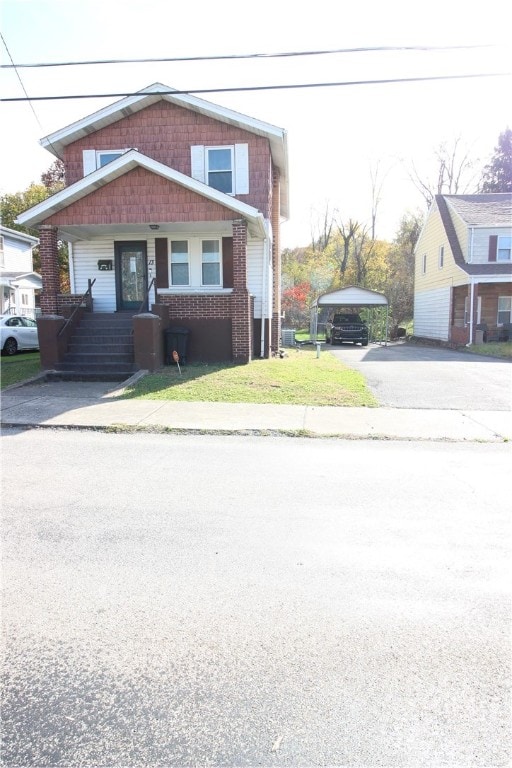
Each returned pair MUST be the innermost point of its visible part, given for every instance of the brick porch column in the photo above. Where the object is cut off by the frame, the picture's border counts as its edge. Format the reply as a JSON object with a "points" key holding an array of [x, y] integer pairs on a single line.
{"points": [[241, 301], [49, 268]]}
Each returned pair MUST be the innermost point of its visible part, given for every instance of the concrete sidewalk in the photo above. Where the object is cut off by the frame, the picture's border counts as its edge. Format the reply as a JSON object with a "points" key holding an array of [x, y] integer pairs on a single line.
{"points": [[99, 406]]}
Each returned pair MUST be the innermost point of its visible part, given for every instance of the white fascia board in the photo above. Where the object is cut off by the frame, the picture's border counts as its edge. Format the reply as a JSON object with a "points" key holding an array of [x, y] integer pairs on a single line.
{"points": [[55, 142], [15, 234], [119, 167], [147, 96]]}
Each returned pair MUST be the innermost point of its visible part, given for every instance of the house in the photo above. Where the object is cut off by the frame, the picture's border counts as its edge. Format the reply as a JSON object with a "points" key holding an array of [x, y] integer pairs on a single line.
{"points": [[172, 211], [18, 280], [463, 270]]}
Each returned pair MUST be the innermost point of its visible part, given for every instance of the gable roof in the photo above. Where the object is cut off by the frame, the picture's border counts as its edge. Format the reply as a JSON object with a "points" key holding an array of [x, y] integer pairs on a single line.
{"points": [[124, 164], [351, 296], [485, 210], [475, 210], [56, 141], [14, 234]]}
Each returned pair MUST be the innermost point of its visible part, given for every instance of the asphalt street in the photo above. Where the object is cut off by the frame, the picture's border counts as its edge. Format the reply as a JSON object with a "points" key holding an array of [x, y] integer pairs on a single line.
{"points": [[409, 376], [254, 601]]}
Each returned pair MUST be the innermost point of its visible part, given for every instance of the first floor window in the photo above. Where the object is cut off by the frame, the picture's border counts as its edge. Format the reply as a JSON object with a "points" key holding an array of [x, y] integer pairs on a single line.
{"points": [[504, 248], [179, 262], [24, 299], [210, 262], [504, 309]]}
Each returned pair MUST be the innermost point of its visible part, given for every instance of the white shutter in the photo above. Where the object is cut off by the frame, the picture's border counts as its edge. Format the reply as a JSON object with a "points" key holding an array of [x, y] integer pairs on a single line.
{"points": [[197, 162], [89, 160], [241, 169]]}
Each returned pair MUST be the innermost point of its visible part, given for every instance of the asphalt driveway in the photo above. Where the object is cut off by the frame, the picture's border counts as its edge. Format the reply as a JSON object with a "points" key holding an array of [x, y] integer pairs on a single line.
{"points": [[409, 376]]}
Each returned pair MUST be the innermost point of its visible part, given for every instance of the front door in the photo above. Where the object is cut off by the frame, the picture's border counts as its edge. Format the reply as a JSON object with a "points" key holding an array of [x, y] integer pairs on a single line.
{"points": [[131, 274]]}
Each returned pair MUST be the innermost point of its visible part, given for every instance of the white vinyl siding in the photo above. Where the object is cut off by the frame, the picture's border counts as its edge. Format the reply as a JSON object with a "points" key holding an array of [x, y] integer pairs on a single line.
{"points": [[480, 245], [432, 314], [87, 253], [255, 249]]}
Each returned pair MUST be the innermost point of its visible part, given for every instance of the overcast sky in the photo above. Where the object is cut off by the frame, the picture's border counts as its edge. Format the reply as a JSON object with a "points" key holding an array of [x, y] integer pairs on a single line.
{"points": [[336, 135]]}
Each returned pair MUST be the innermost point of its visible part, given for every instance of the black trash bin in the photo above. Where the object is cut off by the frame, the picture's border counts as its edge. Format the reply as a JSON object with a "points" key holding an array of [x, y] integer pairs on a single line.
{"points": [[176, 340]]}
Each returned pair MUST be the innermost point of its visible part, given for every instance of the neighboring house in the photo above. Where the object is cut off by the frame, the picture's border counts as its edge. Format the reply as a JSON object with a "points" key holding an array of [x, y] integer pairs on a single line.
{"points": [[169, 188], [463, 269], [18, 281]]}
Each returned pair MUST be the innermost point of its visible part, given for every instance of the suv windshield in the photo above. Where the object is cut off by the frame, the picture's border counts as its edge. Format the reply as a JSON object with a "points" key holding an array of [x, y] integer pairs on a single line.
{"points": [[346, 319]]}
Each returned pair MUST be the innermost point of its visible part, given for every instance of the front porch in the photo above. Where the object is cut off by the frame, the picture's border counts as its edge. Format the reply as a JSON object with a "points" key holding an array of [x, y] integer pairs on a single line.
{"points": [[481, 313]]}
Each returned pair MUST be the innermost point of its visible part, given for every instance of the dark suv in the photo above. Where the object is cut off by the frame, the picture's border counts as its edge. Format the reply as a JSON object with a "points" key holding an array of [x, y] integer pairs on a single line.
{"points": [[346, 327]]}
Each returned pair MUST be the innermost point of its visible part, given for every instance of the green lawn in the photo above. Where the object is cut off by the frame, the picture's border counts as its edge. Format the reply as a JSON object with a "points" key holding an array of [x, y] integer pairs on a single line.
{"points": [[300, 378], [491, 349], [19, 367]]}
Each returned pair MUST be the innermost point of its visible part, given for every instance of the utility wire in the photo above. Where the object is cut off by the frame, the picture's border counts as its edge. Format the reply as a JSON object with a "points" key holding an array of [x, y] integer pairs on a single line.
{"points": [[27, 97], [168, 92], [225, 57]]}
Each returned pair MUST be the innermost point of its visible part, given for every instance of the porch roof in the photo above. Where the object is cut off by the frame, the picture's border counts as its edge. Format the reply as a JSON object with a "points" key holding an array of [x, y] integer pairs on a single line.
{"points": [[117, 168]]}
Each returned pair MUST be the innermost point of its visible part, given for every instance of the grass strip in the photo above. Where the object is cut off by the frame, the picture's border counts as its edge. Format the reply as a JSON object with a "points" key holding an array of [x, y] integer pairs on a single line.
{"points": [[300, 378]]}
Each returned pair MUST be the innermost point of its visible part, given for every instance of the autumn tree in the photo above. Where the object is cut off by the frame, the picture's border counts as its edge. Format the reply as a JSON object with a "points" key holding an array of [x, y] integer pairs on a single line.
{"points": [[399, 286], [13, 204], [497, 175]]}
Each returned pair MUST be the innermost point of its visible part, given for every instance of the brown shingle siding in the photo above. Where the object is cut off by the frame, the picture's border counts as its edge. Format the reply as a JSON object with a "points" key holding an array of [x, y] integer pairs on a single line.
{"points": [[141, 197], [165, 132]]}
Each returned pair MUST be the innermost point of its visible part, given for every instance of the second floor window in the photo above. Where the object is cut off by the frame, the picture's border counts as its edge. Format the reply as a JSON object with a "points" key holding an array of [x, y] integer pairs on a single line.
{"points": [[504, 248], [225, 168], [219, 163]]}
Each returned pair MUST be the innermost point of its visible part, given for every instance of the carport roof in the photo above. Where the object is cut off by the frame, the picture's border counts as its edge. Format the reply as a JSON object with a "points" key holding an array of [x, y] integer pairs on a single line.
{"points": [[352, 296]]}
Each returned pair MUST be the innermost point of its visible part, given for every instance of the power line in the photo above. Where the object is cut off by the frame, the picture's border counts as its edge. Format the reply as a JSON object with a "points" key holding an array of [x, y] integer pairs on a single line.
{"points": [[234, 56], [168, 92], [27, 97]]}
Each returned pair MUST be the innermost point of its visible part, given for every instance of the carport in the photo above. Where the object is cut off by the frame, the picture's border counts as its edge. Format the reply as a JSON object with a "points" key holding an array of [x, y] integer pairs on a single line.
{"points": [[352, 298]]}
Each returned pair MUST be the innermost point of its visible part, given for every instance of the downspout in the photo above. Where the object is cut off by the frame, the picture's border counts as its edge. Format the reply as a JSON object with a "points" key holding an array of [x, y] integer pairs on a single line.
{"points": [[471, 307], [263, 297]]}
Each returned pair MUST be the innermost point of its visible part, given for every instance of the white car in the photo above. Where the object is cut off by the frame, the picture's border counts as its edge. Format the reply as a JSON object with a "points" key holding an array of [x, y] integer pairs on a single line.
{"points": [[17, 333]]}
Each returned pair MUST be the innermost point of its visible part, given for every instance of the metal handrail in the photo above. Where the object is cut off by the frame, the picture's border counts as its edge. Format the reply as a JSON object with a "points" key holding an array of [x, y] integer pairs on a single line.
{"points": [[88, 291], [144, 300]]}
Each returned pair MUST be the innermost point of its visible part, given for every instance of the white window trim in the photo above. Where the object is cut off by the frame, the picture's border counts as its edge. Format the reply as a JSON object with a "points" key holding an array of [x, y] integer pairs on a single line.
{"points": [[240, 165], [179, 240], [231, 170], [195, 265], [503, 237], [221, 276], [467, 311], [499, 325], [91, 158]]}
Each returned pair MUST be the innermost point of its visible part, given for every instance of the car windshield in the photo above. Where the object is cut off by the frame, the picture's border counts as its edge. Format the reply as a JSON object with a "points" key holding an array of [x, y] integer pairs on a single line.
{"points": [[346, 318]]}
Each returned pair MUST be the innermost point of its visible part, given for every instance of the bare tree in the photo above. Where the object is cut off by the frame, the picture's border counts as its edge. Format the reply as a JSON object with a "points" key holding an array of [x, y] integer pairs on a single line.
{"points": [[321, 230], [455, 172], [347, 232]]}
